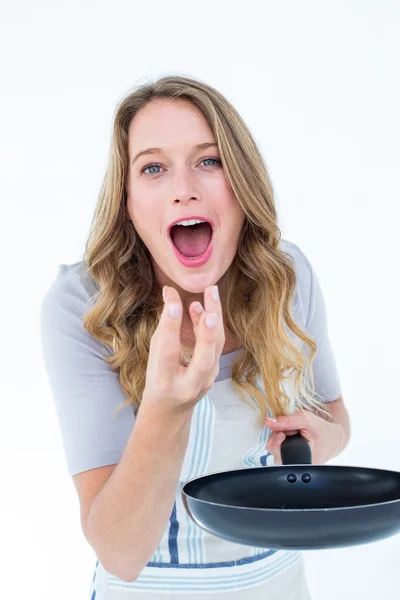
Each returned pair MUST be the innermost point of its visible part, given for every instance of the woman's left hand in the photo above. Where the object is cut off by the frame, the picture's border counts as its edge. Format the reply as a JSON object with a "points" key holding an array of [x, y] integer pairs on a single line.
{"points": [[325, 438]]}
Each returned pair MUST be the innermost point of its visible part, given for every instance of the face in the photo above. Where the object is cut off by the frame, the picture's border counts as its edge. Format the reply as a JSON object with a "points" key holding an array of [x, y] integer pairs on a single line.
{"points": [[185, 181]]}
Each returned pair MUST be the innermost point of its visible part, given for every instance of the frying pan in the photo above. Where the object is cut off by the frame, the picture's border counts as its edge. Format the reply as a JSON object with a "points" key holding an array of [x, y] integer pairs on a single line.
{"points": [[296, 506]]}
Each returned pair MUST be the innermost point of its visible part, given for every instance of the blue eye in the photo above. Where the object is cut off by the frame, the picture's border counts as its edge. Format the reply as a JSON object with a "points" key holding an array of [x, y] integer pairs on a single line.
{"points": [[217, 160]]}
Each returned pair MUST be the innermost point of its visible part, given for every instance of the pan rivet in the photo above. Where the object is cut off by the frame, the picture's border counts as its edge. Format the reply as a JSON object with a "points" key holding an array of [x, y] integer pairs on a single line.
{"points": [[292, 478], [306, 477]]}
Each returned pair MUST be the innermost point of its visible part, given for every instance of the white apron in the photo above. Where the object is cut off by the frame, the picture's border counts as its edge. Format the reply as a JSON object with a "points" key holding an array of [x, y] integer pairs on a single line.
{"points": [[226, 434]]}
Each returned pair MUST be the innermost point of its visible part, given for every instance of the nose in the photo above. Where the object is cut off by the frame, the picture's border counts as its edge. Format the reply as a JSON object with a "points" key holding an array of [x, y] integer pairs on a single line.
{"points": [[183, 186]]}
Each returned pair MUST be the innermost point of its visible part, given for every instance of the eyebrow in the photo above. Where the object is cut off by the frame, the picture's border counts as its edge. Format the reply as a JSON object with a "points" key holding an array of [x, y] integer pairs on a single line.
{"points": [[161, 151]]}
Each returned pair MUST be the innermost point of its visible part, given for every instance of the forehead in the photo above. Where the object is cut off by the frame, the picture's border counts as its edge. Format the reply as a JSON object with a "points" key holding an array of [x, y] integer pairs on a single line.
{"points": [[168, 124]]}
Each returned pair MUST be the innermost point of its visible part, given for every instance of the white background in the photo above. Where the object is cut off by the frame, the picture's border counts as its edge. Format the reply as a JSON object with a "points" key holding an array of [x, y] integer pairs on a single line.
{"points": [[317, 83]]}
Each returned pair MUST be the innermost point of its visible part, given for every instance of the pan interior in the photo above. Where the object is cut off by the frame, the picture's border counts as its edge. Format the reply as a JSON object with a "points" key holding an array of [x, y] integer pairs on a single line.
{"points": [[268, 487]]}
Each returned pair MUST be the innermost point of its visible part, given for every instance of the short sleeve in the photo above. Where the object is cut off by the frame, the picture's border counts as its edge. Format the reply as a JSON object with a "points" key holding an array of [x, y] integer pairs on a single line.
{"points": [[85, 389], [326, 376]]}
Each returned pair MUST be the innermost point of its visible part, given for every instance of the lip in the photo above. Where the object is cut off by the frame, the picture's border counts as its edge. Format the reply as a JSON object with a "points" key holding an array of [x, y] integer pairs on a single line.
{"points": [[187, 218]]}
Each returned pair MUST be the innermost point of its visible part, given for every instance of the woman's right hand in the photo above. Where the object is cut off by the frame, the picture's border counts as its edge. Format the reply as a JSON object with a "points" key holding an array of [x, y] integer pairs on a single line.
{"points": [[168, 381]]}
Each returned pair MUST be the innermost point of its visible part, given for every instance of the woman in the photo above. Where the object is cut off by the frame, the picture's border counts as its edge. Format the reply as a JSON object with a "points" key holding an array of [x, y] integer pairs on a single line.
{"points": [[150, 393]]}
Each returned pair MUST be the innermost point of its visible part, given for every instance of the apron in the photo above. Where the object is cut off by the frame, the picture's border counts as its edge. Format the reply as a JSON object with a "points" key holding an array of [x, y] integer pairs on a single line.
{"points": [[226, 434]]}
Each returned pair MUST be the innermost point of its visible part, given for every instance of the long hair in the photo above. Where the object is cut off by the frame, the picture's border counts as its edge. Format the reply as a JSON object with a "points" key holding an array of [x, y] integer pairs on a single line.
{"points": [[260, 281]]}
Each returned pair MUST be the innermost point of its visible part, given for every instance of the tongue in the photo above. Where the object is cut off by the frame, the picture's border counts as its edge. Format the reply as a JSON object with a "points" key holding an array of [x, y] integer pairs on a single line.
{"points": [[191, 240]]}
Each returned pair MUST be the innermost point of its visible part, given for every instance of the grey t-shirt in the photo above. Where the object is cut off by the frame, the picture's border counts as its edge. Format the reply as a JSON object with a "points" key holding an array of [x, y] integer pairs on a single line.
{"points": [[85, 389]]}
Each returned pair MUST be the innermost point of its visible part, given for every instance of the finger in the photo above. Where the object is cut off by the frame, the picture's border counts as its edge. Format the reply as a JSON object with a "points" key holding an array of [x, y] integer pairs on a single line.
{"points": [[167, 336], [204, 365], [274, 446], [270, 445], [196, 310], [300, 420], [196, 316], [213, 304], [274, 442]]}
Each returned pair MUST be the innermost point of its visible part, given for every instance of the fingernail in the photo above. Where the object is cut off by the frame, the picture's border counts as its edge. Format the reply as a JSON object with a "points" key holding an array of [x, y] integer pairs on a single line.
{"points": [[164, 291], [198, 308], [271, 419], [211, 320], [214, 293], [174, 311]]}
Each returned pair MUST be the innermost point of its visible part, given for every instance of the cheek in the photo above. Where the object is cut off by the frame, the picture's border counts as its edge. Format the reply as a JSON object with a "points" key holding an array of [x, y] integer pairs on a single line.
{"points": [[145, 215], [228, 201], [232, 216]]}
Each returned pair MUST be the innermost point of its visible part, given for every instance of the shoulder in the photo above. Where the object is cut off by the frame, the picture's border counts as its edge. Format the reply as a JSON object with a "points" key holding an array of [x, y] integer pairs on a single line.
{"points": [[67, 300], [304, 274], [72, 287], [300, 260]]}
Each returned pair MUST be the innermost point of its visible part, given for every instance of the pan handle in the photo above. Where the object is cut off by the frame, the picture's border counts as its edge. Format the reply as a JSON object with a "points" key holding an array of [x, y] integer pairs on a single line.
{"points": [[295, 450]]}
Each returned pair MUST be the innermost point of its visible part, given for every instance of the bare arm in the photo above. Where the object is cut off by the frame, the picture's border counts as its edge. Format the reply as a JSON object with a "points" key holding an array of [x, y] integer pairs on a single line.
{"points": [[130, 513], [338, 411]]}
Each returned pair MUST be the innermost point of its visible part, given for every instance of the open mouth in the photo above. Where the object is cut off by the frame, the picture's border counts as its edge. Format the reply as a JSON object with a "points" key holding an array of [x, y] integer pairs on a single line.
{"points": [[191, 240]]}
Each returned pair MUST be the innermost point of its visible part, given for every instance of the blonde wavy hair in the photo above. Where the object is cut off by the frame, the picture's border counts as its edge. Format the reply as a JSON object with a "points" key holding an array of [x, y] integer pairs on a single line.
{"points": [[260, 281]]}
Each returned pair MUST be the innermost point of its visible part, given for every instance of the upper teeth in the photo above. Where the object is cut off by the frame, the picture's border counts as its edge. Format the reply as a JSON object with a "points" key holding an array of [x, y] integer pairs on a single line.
{"points": [[190, 222]]}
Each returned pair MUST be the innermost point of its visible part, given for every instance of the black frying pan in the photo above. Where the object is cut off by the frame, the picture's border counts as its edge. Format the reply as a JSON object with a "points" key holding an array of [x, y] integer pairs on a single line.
{"points": [[296, 506]]}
